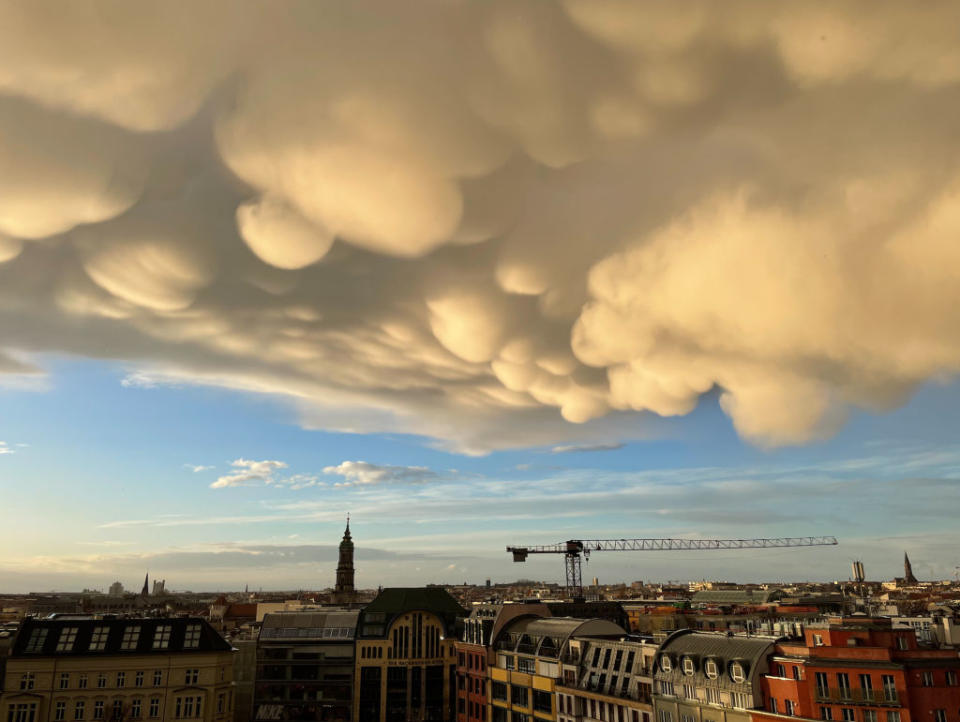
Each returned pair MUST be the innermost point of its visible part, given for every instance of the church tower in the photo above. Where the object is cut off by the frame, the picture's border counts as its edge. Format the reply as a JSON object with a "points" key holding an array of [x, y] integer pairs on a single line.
{"points": [[343, 591], [908, 578]]}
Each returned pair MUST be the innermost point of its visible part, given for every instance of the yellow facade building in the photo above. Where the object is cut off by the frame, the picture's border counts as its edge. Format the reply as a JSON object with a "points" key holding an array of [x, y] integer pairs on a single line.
{"points": [[113, 670]]}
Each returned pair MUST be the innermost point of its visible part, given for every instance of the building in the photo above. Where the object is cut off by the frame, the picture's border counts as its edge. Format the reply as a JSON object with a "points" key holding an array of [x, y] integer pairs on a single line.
{"points": [[530, 652], [909, 580], [475, 654], [116, 589], [405, 656], [710, 676], [82, 668], [305, 666], [344, 591], [607, 679], [862, 669]]}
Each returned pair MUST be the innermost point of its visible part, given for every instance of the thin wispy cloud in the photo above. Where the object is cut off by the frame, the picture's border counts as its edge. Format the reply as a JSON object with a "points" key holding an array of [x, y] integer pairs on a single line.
{"points": [[5, 448], [197, 468], [248, 473], [362, 473], [576, 448]]}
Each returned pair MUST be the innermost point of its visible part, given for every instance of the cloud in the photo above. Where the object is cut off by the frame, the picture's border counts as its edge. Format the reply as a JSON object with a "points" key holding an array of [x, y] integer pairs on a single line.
{"points": [[494, 225], [576, 448], [361, 473], [197, 468], [248, 473], [5, 448]]}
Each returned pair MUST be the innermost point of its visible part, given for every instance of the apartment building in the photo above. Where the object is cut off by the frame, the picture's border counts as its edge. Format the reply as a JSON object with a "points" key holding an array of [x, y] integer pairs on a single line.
{"points": [[530, 652], [305, 666], [861, 669], [475, 654], [81, 669], [710, 676], [607, 680]]}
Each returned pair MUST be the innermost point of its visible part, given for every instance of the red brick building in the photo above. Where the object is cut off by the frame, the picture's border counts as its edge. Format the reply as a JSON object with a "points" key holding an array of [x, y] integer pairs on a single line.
{"points": [[859, 669]]}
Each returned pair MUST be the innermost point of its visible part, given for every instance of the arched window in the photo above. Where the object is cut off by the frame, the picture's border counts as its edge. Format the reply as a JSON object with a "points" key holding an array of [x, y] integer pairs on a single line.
{"points": [[710, 669], [737, 672]]}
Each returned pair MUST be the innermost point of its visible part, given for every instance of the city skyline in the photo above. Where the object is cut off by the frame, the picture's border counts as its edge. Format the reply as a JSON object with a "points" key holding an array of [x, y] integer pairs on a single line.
{"points": [[478, 274]]}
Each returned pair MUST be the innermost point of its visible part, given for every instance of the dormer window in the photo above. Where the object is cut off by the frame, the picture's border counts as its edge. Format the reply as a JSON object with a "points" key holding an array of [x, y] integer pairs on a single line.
{"points": [[737, 672], [665, 664], [689, 667], [710, 669]]}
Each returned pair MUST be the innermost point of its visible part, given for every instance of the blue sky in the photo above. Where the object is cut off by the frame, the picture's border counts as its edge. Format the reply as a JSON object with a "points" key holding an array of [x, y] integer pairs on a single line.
{"points": [[99, 485]]}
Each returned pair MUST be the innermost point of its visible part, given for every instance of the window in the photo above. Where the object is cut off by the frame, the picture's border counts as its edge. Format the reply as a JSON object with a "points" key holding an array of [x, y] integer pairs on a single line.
{"points": [[866, 686], [64, 680], [951, 678], [136, 708], [710, 669], [843, 683], [817, 640], [117, 709], [713, 695], [773, 705], [665, 664], [131, 635], [526, 664], [901, 642], [221, 702], [663, 716], [98, 640], [823, 686], [68, 637], [630, 657], [138, 679], [666, 687], [154, 707], [98, 709], [869, 715], [847, 713], [739, 699], [518, 695], [789, 707], [499, 691], [78, 710], [796, 672], [939, 715], [82, 681], [37, 637], [893, 715], [826, 713], [101, 681], [737, 673], [687, 717], [689, 691], [27, 681], [542, 701], [157, 677], [689, 667], [121, 679], [191, 676], [927, 678], [60, 712], [191, 639], [617, 660], [889, 688], [22, 712], [161, 636]]}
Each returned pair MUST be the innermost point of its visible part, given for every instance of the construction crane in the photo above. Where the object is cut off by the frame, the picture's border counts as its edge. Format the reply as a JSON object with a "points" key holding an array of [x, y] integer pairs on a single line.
{"points": [[575, 550]]}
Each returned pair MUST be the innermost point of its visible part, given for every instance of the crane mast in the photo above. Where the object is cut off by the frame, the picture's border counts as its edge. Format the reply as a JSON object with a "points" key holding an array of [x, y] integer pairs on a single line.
{"points": [[574, 550]]}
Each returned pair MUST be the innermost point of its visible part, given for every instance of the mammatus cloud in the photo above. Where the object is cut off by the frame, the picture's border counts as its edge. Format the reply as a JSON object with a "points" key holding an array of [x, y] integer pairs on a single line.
{"points": [[492, 224], [361, 473], [575, 448], [249, 473]]}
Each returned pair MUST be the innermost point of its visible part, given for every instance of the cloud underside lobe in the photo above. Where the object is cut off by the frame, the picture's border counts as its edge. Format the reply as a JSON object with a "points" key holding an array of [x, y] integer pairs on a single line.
{"points": [[491, 223]]}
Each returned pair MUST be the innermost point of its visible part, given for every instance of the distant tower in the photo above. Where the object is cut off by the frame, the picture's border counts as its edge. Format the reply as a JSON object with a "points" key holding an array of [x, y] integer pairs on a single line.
{"points": [[908, 578], [146, 586], [343, 591]]}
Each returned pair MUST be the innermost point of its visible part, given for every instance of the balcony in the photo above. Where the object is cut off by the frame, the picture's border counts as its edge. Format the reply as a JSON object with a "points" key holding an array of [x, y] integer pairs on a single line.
{"points": [[858, 696]]}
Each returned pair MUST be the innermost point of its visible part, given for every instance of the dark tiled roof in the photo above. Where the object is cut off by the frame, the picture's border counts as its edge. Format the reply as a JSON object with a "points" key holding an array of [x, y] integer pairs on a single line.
{"points": [[31, 631], [396, 600], [736, 596]]}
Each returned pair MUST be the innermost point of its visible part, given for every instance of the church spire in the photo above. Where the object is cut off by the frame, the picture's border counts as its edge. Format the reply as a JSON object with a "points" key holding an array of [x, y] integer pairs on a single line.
{"points": [[908, 577], [146, 586], [344, 590]]}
